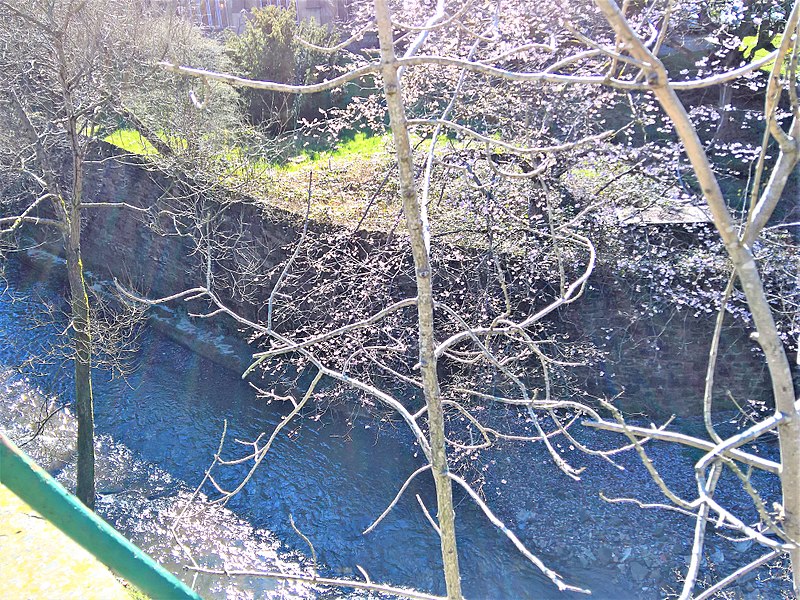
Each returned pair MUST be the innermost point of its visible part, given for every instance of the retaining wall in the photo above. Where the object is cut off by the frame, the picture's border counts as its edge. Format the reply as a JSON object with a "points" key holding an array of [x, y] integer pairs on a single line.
{"points": [[659, 362]]}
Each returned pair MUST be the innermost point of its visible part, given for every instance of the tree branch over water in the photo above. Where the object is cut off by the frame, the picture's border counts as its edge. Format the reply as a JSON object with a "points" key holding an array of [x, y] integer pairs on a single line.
{"points": [[507, 166]]}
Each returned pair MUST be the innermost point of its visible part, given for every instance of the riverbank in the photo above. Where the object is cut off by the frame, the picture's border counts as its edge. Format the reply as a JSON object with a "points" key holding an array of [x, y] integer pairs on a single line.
{"points": [[629, 333]]}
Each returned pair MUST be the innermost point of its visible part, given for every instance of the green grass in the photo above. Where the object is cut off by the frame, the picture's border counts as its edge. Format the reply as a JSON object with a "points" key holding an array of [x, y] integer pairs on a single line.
{"points": [[344, 175], [587, 173], [748, 49], [131, 141], [361, 145]]}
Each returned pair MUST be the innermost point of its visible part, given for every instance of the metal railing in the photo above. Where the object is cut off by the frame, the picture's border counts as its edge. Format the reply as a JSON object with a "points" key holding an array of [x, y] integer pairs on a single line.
{"points": [[46, 496]]}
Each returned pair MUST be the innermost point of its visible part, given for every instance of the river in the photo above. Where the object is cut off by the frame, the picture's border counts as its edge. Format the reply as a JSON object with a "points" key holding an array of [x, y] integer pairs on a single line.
{"points": [[158, 429]]}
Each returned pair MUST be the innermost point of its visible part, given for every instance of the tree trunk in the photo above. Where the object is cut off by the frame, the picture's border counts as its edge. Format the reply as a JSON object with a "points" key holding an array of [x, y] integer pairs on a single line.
{"points": [[79, 300], [766, 331], [84, 402], [427, 358]]}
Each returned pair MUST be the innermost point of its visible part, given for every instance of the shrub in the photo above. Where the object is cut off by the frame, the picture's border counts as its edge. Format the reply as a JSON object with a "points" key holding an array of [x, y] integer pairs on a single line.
{"points": [[268, 50]]}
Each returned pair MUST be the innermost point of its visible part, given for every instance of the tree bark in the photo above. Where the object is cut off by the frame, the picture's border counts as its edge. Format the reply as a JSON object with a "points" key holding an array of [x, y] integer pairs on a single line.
{"points": [[84, 401], [79, 304], [420, 250]]}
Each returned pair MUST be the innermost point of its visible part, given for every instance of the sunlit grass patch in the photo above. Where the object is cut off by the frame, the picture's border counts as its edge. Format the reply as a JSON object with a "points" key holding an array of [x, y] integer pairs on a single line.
{"points": [[353, 178], [345, 180], [131, 141], [749, 51], [361, 146]]}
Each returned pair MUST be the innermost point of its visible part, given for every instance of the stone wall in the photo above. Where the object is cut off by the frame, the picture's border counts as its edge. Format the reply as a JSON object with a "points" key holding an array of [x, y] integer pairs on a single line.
{"points": [[659, 362], [152, 251]]}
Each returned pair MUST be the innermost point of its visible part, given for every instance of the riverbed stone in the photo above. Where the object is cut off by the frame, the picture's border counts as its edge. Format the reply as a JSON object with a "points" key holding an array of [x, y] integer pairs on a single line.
{"points": [[604, 555], [638, 570]]}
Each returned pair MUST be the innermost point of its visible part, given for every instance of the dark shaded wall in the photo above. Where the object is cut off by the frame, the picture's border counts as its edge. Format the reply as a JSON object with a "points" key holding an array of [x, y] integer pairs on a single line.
{"points": [[156, 252], [659, 362]]}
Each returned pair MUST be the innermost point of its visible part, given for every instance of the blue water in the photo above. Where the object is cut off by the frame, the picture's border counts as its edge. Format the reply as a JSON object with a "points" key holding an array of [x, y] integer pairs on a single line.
{"points": [[158, 430]]}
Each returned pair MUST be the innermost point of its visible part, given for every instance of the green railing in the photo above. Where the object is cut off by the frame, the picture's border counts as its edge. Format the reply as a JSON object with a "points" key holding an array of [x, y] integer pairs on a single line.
{"points": [[49, 498]]}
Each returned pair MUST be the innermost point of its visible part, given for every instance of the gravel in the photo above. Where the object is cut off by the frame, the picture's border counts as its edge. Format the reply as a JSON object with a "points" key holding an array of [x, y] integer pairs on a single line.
{"points": [[643, 550]]}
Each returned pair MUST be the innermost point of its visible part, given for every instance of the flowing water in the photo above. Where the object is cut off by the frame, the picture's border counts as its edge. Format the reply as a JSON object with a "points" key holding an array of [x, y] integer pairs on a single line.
{"points": [[158, 430]]}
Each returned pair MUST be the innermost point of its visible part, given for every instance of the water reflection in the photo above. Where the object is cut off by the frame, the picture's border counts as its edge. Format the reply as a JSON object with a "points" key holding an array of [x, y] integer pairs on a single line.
{"points": [[158, 431]]}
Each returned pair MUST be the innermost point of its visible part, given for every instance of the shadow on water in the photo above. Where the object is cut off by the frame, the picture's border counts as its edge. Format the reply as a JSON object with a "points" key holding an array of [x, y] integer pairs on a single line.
{"points": [[159, 429]]}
